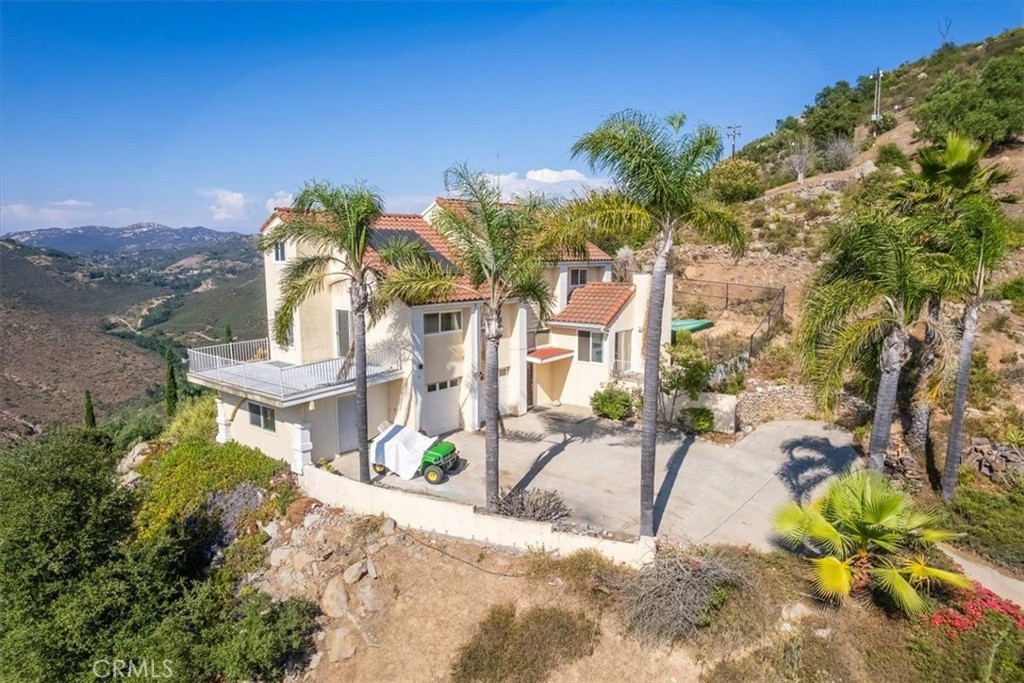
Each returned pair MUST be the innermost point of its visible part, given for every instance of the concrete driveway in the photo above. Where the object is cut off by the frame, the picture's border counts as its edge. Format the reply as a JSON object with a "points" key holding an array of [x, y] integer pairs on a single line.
{"points": [[704, 493]]}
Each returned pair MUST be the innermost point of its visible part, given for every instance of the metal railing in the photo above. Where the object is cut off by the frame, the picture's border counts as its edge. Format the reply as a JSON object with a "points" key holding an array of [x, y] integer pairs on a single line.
{"points": [[224, 355], [245, 365], [627, 368]]}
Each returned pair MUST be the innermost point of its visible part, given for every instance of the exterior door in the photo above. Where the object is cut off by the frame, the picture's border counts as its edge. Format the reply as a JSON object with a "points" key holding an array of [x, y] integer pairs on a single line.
{"points": [[347, 440]]}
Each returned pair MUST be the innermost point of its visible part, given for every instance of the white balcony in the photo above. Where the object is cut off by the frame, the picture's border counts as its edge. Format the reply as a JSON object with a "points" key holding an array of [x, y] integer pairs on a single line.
{"points": [[245, 369]]}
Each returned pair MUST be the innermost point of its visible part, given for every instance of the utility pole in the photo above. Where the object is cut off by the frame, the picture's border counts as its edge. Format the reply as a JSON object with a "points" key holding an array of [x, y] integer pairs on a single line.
{"points": [[733, 131], [876, 114]]}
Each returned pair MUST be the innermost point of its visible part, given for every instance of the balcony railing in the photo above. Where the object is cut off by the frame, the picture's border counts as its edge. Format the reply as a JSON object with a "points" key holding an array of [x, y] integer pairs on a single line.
{"points": [[246, 366], [627, 368]]}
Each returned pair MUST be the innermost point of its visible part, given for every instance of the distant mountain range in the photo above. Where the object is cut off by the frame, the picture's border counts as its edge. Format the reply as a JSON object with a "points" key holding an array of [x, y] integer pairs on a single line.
{"points": [[130, 239]]}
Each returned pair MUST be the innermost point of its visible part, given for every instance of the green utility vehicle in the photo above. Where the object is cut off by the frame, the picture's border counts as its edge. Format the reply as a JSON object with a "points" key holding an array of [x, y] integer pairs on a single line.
{"points": [[408, 453]]}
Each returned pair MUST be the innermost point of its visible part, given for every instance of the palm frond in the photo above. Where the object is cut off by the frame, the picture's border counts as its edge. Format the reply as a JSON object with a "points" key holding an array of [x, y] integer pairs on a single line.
{"points": [[833, 578], [892, 583], [789, 521], [303, 277], [718, 223], [416, 284], [918, 572]]}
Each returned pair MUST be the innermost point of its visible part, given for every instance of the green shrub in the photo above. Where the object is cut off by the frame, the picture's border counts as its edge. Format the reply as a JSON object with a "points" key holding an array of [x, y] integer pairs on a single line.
{"points": [[1014, 291], [264, 637], [697, 309], [128, 429], [733, 384], [887, 122], [890, 154], [987, 106], [990, 519], [523, 648], [984, 386], [699, 420], [195, 418], [736, 180], [613, 401], [179, 480]]}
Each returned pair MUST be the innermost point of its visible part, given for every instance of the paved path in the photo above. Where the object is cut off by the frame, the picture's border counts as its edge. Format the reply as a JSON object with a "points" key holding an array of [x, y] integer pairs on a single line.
{"points": [[704, 493], [1000, 584]]}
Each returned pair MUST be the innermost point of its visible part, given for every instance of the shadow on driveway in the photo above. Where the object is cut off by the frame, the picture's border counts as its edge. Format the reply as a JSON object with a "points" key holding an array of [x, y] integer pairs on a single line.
{"points": [[810, 460], [672, 467], [561, 430]]}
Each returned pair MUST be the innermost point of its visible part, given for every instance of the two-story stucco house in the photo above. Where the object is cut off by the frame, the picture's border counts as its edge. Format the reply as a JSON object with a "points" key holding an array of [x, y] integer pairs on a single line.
{"points": [[297, 402]]}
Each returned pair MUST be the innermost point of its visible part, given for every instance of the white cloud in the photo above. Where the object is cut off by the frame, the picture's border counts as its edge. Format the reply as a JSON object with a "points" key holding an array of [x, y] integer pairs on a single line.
{"points": [[546, 181], [74, 203], [227, 204], [280, 198]]}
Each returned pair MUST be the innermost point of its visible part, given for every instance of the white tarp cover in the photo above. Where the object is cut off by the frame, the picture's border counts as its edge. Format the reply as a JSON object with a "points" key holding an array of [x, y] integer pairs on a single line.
{"points": [[401, 450]]}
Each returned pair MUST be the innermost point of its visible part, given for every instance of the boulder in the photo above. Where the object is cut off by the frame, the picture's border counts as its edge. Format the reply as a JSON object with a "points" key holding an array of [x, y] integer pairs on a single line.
{"points": [[334, 600], [388, 527], [340, 644], [354, 572], [133, 458], [368, 597], [371, 569]]}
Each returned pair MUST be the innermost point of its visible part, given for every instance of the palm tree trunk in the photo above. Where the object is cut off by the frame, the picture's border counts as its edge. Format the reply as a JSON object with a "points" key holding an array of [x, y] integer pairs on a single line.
{"points": [[492, 329], [894, 349], [954, 449], [652, 384], [357, 296], [921, 410]]}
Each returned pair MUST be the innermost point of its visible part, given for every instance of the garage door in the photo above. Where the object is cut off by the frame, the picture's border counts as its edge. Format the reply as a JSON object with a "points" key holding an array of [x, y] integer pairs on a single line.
{"points": [[441, 412]]}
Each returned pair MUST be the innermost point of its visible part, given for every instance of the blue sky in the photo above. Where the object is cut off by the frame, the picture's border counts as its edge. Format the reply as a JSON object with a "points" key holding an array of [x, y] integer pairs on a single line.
{"points": [[199, 113]]}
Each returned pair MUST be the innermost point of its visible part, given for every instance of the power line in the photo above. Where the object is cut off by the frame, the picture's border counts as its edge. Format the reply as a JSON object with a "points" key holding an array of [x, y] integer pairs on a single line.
{"points": [[733, 131]]}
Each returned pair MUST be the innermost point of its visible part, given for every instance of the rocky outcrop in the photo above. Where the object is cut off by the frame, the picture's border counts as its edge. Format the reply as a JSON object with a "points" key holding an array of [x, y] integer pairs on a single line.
{"points": [[903, 468], [994, 460]]}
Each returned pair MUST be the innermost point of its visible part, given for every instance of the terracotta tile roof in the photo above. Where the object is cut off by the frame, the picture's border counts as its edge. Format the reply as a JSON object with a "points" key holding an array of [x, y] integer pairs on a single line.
{"points": [[594, 252], [548, 353], [596, 304], [401, 224]]}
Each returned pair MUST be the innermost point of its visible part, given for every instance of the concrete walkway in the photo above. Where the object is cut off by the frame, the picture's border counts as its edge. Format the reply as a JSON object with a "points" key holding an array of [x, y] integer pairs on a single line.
{"points": [[1002, 585], [704, 493]]}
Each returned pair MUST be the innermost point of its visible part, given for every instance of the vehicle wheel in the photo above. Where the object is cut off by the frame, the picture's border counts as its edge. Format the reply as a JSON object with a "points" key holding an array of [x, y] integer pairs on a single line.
{"points": [[379, 469], [433, 474]]}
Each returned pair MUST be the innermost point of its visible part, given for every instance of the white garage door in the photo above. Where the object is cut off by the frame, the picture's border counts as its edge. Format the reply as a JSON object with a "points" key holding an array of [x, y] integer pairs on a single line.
{"points": [[441, 412]]}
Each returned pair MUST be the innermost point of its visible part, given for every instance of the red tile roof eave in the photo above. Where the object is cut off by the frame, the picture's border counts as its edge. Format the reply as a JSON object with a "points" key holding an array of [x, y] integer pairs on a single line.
{"points": [[596, 304], [547, 353]]}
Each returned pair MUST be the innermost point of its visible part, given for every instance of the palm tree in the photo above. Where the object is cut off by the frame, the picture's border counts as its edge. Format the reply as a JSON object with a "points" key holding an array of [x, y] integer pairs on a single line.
{"points": [[947, 175], [661, 180], [864, 533], [867, 297], [979, 237], [334, 223], [499, 253]]}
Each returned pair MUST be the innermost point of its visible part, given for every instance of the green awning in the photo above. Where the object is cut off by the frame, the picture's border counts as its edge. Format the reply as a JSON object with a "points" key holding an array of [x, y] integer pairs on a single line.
{"points": [[690, 325]]}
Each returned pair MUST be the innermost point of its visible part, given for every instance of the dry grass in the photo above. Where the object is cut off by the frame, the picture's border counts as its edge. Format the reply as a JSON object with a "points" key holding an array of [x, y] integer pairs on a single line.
{"points": [[524, 648], [588, 573]]}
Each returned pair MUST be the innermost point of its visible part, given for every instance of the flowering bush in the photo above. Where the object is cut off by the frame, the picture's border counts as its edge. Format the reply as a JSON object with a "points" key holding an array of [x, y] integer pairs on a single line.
{"points": [[970, 608]]}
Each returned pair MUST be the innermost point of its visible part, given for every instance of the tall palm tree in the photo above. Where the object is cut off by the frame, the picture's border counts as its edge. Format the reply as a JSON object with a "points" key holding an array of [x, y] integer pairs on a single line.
{"points": [[979, 238], [499, 253], [947, 175], [334, 224], [660, 179], [867, 297]]}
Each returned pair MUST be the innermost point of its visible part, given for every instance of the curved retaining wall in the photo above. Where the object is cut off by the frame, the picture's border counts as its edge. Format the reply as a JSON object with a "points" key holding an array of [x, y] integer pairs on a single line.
{"points": [[461, 520]]}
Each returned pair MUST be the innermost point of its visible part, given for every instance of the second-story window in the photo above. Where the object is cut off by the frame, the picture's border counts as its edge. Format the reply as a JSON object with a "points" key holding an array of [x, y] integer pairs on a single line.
{"points": [[280, 255], [590, 346], [577, 278], [438, 323]]}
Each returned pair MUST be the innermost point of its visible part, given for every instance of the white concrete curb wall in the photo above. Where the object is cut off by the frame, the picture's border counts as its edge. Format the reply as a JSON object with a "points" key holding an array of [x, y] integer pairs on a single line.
{"points": [[460, 520]]}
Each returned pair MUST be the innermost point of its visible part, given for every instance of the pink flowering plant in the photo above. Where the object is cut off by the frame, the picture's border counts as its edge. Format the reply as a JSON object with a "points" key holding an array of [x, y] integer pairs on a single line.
{"points": [[969, 607]]}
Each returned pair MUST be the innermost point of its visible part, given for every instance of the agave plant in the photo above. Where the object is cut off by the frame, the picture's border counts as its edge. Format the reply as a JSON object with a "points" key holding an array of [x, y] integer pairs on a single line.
{"points": [[865, 533]]}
